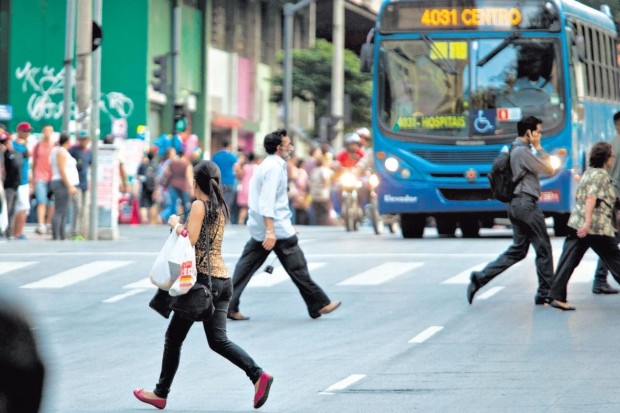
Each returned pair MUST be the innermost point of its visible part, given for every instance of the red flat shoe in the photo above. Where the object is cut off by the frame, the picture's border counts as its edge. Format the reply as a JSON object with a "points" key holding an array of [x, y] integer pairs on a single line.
{"points": [[159, 403], [262, 391]]}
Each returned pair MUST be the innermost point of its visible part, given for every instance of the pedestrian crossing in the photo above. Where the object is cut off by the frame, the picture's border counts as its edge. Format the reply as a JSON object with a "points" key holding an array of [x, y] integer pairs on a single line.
{"points": [[389, 273]]}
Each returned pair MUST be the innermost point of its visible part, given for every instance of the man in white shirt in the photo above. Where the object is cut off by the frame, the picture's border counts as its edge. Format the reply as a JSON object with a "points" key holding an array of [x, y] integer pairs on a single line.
{"points": [[269, 222]]}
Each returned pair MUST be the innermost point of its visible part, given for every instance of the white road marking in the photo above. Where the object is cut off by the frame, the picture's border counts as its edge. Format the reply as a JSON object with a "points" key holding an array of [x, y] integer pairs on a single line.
{"points": [[144, 283], [489, 293], [381, 273], [262, 279], [124, 295], [463, 276], [426, 334], [77, 274], [343, 384], [13, 266]]}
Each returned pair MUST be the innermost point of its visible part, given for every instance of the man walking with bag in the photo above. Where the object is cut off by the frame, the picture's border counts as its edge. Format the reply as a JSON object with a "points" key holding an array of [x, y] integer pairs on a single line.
{"points": [[269, 222], [528, 221]]}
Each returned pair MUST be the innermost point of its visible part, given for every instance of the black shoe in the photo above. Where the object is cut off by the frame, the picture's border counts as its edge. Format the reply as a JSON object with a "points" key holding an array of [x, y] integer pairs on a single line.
{"points": [[541, 300], [473, 287], [603, 288]]}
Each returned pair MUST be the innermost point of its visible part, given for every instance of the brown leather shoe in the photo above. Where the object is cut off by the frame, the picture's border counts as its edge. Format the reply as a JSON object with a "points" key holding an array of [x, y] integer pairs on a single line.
{"points": [[330, 307], [236, 315]]}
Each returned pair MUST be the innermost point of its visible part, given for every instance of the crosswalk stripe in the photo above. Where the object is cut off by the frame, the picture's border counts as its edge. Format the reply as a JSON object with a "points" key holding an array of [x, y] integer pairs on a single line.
{"points": [[426, 334], [489, 293], [463, 276], [141, 284], [381, 273], [13, 266], [279, 275], [77, 274], [344, 383], [124, 295]]}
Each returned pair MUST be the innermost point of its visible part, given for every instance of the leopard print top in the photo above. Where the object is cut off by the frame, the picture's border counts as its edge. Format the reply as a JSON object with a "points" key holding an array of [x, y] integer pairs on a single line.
{"points": [[215, 234]]}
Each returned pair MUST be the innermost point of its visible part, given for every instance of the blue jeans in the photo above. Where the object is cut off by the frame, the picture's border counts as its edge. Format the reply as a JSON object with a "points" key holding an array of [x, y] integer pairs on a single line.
{"points": [[293, 261], [215, 330], [528, 227], [175, 196]]}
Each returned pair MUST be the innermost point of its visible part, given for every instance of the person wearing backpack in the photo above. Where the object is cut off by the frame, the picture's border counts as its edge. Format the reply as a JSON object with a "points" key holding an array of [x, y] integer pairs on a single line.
{"points": [[528, 221], [147, 175]]}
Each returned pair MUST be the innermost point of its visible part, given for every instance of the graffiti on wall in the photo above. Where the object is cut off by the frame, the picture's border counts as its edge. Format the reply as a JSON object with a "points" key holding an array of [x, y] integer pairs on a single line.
{"points": [[47, 87]]}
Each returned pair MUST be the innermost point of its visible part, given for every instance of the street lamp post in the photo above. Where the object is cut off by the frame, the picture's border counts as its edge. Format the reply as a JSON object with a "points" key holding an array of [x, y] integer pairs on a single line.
{"points": [[289, 12]]}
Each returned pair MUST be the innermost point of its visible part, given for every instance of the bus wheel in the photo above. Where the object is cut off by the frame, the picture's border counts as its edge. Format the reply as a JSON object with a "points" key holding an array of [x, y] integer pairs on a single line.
{"points": [[470, 227], [446, 225], [560, 225], [412, 225]]}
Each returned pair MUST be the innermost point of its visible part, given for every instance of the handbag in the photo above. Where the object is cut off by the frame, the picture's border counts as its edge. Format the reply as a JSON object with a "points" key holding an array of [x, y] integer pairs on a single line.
{"points": [[197, 303], [615, 215]]}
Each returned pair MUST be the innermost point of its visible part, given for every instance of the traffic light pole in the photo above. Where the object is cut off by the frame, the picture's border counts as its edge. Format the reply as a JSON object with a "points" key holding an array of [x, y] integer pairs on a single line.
{"points": [[289, 12], [93, 217], [68, 64]]}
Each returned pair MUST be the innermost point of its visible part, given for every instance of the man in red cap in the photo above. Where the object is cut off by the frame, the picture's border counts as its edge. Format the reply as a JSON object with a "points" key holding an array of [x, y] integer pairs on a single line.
{"points": [[22, 203]]}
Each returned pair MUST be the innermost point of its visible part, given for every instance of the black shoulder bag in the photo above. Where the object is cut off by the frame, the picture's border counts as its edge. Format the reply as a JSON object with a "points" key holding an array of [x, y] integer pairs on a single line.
{"points": [[197, 303]]}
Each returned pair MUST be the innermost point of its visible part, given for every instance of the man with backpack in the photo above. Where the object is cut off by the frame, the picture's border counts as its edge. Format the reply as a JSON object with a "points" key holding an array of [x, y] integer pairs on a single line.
{"points": [[528, 221]]}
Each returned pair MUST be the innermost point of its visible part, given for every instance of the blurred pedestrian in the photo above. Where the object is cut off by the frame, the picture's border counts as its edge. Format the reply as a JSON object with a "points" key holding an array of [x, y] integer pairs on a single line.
{"points": [[178, 180], [244, 175], [207, 219], [12, 177], [65, 179], [590, 224], [83, 160], [42, 175], [226, 160], [147, 176], [22, 203], [269, 222]]}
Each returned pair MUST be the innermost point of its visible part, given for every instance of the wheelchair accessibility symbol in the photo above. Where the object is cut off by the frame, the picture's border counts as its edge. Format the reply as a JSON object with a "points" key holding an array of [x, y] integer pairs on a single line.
{"points": [[484, 121]]}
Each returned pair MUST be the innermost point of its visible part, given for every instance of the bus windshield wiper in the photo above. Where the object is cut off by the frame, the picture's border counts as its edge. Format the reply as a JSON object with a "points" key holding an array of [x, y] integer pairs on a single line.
{"points": [[443, 62], [498, 48]]}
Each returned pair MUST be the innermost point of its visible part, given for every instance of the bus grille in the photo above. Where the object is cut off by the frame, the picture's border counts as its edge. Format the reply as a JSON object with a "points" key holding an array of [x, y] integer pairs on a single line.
{"points": [[452, 194], [459, 158]]}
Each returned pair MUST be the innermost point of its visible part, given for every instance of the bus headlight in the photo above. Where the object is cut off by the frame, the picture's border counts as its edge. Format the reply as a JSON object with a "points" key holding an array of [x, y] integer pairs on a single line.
{"points": [[556, 162], [373, 180], [391, 164]]}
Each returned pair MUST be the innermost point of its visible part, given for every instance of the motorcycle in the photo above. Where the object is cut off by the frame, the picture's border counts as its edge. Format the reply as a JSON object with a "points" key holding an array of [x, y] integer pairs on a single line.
{"points": [[379, 222], [351, 212]]}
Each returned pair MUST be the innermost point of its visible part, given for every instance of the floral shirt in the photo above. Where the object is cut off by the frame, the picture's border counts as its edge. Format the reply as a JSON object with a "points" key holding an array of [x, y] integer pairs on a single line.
{"points": [[595, 182], [215, 232]]}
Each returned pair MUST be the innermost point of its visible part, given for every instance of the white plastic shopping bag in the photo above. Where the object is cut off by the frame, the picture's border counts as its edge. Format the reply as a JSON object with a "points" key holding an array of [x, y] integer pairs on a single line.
{"points": [[185, 254], [161, 274]]}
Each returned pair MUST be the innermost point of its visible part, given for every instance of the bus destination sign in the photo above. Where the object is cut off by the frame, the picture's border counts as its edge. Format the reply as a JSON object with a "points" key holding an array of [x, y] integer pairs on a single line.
{"points": [[500, 15], [467, 17]]}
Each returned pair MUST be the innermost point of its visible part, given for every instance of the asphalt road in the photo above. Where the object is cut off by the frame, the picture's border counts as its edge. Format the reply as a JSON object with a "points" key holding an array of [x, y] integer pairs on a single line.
{"points": [[404, 340]]}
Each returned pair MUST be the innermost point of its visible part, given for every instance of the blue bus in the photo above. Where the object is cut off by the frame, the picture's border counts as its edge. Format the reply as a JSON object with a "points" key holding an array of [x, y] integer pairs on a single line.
{"points": [[451, 79]]}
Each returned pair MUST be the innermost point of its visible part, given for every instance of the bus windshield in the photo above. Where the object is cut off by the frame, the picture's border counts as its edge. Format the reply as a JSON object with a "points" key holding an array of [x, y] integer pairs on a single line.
{"points": [[454, 89]]}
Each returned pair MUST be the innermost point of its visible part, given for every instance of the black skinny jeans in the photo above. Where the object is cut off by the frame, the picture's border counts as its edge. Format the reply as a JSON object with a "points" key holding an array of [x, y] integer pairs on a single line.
{"points": [[293, 261], [528, 227], [573, 251], [215, 329]]}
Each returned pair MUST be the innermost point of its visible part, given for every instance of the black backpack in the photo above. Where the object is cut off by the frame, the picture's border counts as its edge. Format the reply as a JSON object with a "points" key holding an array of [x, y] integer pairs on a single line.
{"points": [[502, 183]]}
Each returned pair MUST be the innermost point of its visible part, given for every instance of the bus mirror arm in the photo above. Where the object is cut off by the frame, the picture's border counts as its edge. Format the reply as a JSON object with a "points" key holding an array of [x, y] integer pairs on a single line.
{"points": [[367, 52]]}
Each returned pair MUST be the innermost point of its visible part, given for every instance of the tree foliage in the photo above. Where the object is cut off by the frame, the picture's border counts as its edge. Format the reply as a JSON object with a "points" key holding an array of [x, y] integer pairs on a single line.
{"points": [[312, 81]]}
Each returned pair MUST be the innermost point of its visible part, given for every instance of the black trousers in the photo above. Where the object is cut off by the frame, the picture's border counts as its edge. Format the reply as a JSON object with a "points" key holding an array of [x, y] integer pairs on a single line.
{"points": [[528, 227], [293, 261], [574, 248], [215, 329], [600, 275]]}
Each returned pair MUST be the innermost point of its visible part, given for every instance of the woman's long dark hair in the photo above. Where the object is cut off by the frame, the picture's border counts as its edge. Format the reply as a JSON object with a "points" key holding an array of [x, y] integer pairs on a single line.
{"points": [[208, 178]]}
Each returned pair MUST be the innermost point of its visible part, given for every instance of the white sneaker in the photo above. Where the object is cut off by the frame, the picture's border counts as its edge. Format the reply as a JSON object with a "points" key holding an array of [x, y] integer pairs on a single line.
{"points": [[40, 229]]}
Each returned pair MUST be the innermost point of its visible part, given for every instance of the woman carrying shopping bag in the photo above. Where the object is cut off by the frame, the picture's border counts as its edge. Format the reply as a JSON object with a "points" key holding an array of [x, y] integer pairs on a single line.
{"points": [[207, 217]]}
